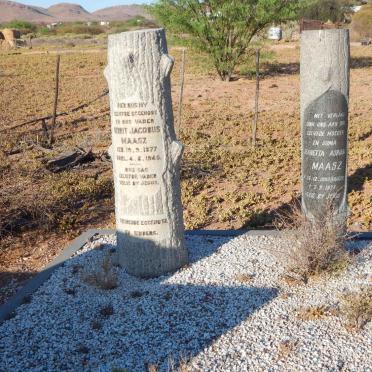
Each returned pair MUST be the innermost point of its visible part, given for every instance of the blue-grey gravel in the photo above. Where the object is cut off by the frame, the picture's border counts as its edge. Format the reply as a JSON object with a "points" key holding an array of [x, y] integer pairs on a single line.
{"points": [[230, 310]]}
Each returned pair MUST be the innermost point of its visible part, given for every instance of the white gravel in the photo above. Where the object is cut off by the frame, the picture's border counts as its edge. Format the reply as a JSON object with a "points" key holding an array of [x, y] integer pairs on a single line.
{"points": [[208, 313]]}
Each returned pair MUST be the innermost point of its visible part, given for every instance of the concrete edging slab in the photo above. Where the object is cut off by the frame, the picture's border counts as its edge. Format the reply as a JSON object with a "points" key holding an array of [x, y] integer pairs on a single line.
{"points": [[8, 309]]}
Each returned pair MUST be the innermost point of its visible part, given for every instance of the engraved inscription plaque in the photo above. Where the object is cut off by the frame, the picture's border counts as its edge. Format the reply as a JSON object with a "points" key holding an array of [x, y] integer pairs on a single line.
{"points": [[139, 154], [324, 154]]}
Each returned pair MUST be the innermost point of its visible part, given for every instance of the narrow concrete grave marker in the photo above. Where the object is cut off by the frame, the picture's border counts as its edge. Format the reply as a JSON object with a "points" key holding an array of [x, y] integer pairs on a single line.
{"points": [[146, 155], [324, 121]]}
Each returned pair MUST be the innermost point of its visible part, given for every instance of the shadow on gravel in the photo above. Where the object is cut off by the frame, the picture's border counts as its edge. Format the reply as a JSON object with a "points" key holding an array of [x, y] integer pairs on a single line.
{"points": [[138, 324], [213, 243], [191, 318]]}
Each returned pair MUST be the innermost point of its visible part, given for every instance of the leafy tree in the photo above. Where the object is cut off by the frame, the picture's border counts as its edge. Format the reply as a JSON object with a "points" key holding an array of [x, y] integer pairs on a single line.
{"points": [[224, 28], [324, 10]]}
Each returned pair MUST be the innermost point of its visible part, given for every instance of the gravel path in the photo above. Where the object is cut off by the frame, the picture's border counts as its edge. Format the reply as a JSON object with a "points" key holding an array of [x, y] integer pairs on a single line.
{"points": [[230, 310]]}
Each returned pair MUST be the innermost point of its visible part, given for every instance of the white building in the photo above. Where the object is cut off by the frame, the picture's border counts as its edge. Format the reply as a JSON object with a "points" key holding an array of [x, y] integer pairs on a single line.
{"points": [[275, 33], [53, 25], [356, 8]]}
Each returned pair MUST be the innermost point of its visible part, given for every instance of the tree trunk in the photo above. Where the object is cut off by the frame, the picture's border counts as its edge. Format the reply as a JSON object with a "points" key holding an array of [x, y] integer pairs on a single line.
{"points": [[146, 155], [324, 121]]}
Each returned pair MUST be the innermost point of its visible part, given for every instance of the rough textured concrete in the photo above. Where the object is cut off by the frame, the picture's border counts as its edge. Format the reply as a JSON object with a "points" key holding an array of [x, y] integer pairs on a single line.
{"points": [[324, 121], [146, 155]]}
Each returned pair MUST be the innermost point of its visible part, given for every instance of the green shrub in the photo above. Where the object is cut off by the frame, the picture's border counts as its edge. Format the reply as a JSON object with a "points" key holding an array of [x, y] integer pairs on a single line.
{"points": [[223, 29], [362, 22], [45, 31], [23, 26], [136, 21], [78, 29], [249, 66], [324, 10], [118, 29], [180, 40]]}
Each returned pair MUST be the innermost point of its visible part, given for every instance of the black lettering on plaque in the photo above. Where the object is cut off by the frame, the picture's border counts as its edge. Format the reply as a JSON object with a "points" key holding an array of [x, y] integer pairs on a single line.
{"points": [[324, 153]]}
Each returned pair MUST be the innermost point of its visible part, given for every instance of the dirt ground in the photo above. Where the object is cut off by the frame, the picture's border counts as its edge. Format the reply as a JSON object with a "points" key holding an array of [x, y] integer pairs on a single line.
{"points": [[225, 183]]}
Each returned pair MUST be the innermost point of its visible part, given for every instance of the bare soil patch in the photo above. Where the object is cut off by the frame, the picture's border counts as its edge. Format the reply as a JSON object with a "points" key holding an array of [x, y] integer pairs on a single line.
{"points": [[225, 183]]}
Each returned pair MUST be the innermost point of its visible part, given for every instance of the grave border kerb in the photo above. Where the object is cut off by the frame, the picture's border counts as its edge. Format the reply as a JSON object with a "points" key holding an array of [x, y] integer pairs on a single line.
{"points": [[7, 309]]}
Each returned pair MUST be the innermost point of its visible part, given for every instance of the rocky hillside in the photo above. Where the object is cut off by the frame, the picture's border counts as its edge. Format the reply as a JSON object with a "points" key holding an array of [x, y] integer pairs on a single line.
{"points": [[66, 12], [69, 12], [120, 12], [10, 10]]}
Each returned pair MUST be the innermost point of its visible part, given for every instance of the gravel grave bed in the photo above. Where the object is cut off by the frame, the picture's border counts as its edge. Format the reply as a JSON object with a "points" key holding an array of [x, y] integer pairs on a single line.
{"points": [[229, 310]]}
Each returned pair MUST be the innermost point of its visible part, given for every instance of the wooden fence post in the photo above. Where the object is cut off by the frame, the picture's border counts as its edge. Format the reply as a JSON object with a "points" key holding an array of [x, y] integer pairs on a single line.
{"points": [[51, 136], [180, 101], [254, 128]]}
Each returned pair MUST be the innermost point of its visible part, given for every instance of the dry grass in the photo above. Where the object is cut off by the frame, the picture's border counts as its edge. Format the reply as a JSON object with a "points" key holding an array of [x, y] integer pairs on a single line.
{"points": [[290, 280], [105, 278], [356, 307], [312, 247], [181, 366], [152, 368], [286, 348], [244, 278], [312, 313]]}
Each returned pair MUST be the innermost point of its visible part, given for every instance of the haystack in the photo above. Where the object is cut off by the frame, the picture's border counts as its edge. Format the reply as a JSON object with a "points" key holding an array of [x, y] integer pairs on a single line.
{"points": [[9, 37]]}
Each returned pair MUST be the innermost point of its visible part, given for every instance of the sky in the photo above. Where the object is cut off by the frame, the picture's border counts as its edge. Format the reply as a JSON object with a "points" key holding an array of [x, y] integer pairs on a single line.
{"points": [[90, 5]]}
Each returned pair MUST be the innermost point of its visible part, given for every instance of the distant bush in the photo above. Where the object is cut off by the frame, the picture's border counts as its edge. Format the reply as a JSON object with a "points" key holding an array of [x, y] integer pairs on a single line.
{"points": [[180, 40], [117, 27], [45, 31], [78, 28], [362, 22], [136, 22], [324, 10], [23, 26]]}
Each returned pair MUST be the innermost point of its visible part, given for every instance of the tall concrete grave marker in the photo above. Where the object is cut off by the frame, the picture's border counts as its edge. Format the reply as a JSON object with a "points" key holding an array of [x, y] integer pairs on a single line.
{"points": [[324, 121], [146, 156]]}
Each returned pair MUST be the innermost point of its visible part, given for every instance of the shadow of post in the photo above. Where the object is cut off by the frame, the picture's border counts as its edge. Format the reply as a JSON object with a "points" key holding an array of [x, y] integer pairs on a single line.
{"points": [[268, 218], [359, 177], [272, 69], [151, 321]]}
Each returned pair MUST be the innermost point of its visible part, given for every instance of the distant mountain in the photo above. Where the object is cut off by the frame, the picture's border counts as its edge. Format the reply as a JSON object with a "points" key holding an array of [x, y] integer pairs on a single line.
{"points": [[69, 12], [10, 10], [120, 13], [66, 12]]}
